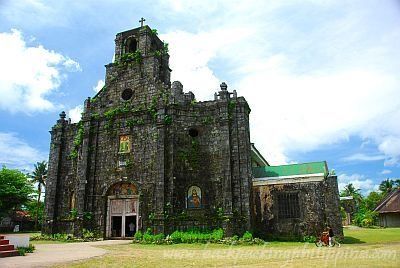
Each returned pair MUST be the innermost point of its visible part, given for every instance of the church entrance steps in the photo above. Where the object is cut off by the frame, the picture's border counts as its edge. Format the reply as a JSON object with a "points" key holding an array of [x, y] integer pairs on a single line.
{"points": [[4, 242], [7, 250]]}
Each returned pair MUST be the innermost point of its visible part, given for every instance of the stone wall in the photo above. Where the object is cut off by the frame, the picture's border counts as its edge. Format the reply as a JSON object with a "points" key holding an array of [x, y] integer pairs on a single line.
{"points": [[318, 203]]}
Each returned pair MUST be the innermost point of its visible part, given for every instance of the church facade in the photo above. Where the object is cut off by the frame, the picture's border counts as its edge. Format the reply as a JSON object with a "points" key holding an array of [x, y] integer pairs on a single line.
{"points": [[148, 155]]}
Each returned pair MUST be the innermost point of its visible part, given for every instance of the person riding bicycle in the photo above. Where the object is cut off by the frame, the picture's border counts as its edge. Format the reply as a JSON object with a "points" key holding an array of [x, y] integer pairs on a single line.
{"points": [[332, 240]]}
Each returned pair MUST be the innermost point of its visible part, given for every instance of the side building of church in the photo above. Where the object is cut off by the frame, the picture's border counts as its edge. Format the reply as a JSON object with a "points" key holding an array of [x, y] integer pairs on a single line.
{"points": [[148, 155]]}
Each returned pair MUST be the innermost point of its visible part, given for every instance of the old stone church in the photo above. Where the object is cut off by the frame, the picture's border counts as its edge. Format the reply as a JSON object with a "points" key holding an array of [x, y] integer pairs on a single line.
{"points": [[148, 155]]}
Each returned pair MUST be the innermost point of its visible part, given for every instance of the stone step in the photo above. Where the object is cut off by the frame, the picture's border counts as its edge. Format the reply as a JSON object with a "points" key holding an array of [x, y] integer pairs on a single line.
{"points": [[6, 247], [4, 242], [9, 253]]}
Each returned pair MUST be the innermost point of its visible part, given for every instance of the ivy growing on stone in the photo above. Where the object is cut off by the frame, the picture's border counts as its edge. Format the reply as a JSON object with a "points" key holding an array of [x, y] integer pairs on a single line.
{"points": [[167, 119], [231, 108], [152, 109], [78, 139], [191, 155], [134, 122], [128, 58]]}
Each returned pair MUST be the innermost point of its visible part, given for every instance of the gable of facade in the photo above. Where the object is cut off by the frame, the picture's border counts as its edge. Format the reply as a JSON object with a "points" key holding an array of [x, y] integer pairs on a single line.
{"points": [[189, 162]]}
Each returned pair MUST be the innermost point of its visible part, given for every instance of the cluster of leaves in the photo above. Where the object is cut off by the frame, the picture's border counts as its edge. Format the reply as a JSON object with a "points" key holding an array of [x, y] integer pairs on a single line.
{"points": [[194, 236], [309, 239], [167, 119], [149, 238], [128, 58], [152, 109], [163, 51], [23, 250], [231, 108], [365, 217], [134, 122], [246, 239], [87, 236], [208, 120], [15, 190], [191, 156], [78, 139]]}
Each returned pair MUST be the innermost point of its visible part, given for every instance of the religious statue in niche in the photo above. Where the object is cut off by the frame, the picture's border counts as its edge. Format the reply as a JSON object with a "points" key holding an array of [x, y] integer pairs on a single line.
{"points": [[194, 197], [124, 144]]}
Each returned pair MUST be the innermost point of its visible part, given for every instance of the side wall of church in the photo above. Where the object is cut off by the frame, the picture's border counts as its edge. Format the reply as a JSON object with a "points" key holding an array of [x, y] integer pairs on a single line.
{"points": [[317, 204]]}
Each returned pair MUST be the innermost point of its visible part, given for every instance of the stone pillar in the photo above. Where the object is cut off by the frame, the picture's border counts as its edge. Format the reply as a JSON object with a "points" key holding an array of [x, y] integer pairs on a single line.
{"points": [[226, 152], [160, 180], [332, 206], [82, 175], [53, 174]]}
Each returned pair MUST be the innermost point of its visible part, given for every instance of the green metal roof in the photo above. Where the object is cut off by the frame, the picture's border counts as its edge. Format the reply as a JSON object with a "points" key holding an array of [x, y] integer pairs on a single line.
{"points": [[290, 170]]}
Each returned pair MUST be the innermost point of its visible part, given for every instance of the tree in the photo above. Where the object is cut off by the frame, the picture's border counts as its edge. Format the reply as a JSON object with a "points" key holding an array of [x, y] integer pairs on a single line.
{"points": [[386, 186], [38, 176], [350, 190], [372, 200], [15, 189]]}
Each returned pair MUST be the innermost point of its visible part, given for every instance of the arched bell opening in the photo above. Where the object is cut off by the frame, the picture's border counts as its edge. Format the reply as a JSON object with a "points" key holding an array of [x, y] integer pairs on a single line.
{"points": [[131, 45]]}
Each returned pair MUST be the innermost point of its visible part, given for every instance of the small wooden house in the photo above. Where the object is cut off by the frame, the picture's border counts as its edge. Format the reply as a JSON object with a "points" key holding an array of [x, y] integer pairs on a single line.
{"points": [[389, 210]]}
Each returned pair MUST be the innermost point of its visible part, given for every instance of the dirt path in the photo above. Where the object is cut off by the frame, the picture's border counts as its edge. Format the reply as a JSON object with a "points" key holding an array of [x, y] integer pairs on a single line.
{"points": [[50, 254]]}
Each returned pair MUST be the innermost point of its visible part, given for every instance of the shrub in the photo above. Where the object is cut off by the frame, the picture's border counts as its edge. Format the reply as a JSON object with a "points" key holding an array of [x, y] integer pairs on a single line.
{"points": [[365, 218], [309, 238], [196, 236], [23, 250], [138, 235], [247, 236], [88, 235]]}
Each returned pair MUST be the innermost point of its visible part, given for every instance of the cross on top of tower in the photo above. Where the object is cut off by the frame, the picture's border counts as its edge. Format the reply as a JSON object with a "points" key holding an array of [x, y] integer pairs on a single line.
{"points": [[141, 21]]}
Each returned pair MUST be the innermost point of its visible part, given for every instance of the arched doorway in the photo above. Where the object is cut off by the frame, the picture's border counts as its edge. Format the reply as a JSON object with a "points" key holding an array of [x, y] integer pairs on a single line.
{"points": [[122, 210]]}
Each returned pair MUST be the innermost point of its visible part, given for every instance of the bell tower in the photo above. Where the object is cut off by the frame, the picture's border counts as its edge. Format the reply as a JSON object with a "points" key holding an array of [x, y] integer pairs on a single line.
{"points": [[141, 47]]}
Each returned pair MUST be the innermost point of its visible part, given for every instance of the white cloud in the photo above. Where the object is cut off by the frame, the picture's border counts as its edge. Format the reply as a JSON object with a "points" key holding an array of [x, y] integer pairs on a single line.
{"points": [[363, 157], [16, 153], [366, 185], [28, 74], [191, 55], [309, 81], [75, 113], [99, 86], [386, 171]]}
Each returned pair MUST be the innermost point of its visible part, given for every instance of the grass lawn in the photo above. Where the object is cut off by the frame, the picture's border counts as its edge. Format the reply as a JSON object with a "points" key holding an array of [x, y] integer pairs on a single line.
{"points": [[362, 247]]}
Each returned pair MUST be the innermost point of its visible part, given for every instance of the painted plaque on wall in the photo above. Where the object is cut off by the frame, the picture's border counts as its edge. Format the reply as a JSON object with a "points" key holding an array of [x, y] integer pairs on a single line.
{"points": [[124, 144], [194, 197]]}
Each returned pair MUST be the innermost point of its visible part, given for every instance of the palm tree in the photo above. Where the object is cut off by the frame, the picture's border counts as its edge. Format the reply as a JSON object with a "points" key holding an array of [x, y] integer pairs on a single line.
{"points": [[397, 183], [386, 186], [39, 176], [350, 190]]}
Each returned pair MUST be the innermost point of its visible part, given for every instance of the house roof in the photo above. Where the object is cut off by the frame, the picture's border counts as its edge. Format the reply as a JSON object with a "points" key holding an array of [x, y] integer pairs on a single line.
{"points": [[390, 204], [313, 168], [257, 156]]}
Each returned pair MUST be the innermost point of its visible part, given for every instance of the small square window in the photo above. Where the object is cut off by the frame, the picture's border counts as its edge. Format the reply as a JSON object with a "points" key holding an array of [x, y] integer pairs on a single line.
{"points": [[288, 205]]}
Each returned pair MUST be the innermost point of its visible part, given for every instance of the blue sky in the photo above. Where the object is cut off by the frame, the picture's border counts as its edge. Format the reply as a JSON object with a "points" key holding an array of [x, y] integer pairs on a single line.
{"points": [[322, 77]]}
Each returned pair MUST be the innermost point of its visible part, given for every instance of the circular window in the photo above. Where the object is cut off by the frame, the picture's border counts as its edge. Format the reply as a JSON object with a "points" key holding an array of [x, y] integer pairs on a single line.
{"points": [[193, 132], [127, 94]]}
